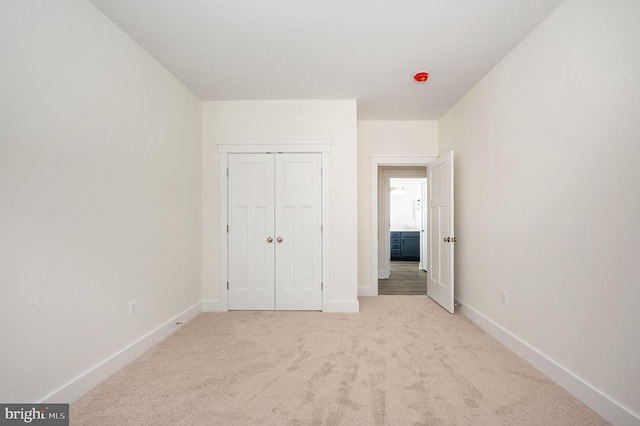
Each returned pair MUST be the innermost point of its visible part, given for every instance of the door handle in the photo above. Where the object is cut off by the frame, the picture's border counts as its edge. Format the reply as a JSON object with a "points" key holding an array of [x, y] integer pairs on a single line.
{"points": [[269, 240], [279, 239], [447, 239]]}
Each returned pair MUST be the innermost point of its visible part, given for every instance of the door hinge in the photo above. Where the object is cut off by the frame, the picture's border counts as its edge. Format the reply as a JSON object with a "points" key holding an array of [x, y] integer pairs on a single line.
{"points": [[321, 229], [321, 285], [227, 285], [227, 172], [227, 229]]}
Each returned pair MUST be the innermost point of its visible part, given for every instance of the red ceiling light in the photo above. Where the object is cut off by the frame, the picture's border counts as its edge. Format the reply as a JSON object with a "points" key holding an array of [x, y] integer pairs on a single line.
{"points": [[421, 76]]}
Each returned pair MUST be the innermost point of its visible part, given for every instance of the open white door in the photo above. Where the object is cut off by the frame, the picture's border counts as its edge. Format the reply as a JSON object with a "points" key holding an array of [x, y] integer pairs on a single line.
{"points": [[424, 243], [440, 231]]}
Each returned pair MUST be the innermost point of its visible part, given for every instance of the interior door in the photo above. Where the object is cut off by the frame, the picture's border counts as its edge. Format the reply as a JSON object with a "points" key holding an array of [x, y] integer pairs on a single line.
{"points": [[251, 232], [298, 218], [441, 238], [424, 244]]}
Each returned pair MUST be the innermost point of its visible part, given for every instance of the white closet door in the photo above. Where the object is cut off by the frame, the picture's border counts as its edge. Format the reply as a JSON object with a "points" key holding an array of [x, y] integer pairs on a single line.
{"points": [[298, 211], [251, 225]]}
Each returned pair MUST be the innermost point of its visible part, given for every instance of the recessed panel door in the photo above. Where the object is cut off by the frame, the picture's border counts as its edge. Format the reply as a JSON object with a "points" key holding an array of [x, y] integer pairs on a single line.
{"points": [[424, 242], [440, 232], [251, 232], [298, 217]]}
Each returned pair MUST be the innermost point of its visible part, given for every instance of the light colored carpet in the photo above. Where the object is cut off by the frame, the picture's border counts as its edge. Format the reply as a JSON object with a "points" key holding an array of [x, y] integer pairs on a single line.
{"points": [[402, 360]]}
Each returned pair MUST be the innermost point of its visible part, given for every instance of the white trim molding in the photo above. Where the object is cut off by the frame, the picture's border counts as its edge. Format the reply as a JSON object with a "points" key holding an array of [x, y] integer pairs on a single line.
{"points": [[367, 291], [223, 301], [214, 305], [326, 233], [402, 160], [252, 147], [342, 306], [76, 388], [608, 408]]}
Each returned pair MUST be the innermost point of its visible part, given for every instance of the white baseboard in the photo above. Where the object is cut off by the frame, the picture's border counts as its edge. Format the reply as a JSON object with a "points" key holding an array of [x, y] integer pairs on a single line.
{"points": [[367, 291], [342, 306], [602, 404], [82, 384], [214, 306], [334, 306]]}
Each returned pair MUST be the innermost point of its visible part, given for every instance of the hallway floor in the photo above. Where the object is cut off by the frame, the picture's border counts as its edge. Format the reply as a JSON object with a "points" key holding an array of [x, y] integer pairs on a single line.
{"points": [[405, 279]]}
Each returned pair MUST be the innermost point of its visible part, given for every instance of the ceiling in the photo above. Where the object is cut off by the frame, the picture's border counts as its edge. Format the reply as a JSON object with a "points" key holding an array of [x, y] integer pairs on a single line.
{"points": [[367, 50]]}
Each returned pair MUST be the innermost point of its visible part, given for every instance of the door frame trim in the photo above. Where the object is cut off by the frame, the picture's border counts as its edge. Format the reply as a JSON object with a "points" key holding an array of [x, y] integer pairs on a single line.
{"points": [[376, 161], [259, 148], [225, 148]]}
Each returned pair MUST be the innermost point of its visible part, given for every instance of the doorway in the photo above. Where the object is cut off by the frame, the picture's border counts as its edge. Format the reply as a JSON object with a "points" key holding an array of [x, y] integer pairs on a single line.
{"points": [[406, 218], [377, 237], [405, 228], [379, 231], [403, 203]]}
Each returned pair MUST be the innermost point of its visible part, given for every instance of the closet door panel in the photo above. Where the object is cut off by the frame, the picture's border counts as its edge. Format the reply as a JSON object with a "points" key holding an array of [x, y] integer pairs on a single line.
{"points": [[298, 217], [251, 224]]}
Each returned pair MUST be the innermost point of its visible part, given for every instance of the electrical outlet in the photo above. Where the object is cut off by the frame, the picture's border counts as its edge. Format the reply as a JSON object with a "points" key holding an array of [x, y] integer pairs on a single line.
{"points": [[133, 307], [504, 297]]}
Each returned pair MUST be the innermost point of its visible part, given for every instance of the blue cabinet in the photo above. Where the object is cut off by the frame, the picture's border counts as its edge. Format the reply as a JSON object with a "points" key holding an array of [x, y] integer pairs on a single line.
{"points": [[396, 244], [405, 245]]}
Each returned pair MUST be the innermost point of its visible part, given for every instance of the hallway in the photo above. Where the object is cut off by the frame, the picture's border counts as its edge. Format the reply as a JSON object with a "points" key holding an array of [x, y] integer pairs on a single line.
{"points": [[405, 279]]}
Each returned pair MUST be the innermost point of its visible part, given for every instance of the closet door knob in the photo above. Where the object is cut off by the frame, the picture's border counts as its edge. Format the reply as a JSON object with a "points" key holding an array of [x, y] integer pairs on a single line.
{"points": [[279, 239], [269, 240]]}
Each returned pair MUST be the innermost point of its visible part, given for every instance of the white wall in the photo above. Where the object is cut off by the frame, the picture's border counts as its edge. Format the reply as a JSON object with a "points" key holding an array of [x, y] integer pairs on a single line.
{"points": [[264, 122], [405, 206], [547, 193], [389, 138], [99, 194]]}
